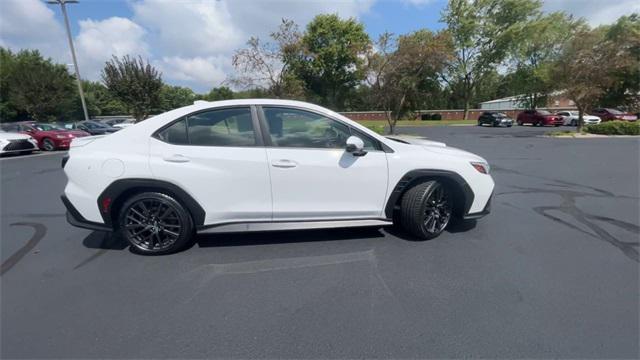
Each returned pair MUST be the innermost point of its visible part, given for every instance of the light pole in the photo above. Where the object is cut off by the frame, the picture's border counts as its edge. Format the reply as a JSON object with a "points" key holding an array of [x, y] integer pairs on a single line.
{"points": [[62, 4]]}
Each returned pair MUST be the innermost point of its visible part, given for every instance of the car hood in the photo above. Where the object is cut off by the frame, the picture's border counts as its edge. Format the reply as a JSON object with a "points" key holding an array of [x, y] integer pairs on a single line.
{"points": [[437, 147], [13, 136]]}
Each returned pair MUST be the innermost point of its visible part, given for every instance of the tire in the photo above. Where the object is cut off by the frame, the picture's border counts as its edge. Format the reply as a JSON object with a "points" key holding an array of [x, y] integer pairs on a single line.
{"points": [[28, 152], [425, 210], [573, 122], [519, 123], [48, 145], [479, 123], [165, 227], [508, 125]]}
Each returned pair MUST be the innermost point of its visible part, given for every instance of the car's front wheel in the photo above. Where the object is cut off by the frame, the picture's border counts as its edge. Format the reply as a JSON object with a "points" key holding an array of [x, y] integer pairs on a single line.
{"points": [[426, 209], [48, 145], [155, 223]]}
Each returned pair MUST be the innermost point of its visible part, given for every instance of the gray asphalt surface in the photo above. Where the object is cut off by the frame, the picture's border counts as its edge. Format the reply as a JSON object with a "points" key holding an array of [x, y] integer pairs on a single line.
{"points": [[551, 273]]}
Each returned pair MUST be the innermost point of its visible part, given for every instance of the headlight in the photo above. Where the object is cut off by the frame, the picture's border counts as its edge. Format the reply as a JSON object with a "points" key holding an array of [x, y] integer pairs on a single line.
{"points": [[482, 167]]}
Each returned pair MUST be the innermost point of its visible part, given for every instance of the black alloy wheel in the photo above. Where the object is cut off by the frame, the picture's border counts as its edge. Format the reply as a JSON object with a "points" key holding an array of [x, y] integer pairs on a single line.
{"points": [[426, 209], [155, 223]]}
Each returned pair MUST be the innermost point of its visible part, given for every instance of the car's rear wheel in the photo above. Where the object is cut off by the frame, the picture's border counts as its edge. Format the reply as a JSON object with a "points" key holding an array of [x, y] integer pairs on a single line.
{"points": [[155, 223], [573, 122], [426, 210], [48, 145]]}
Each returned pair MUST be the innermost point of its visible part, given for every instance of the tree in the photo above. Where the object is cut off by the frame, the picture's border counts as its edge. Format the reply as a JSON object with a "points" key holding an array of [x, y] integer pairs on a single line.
{"points": [[482, 31], [540, 43], [219, 93], [134, 82], [331, 58], [586, 67], [405, 70], [34, 86], [268, 65], [173, 97], [624, 36]]}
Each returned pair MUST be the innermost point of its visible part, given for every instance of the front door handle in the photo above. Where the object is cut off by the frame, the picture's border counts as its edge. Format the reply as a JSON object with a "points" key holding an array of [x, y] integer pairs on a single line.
{"points": [[284, 163], [176, 158]]}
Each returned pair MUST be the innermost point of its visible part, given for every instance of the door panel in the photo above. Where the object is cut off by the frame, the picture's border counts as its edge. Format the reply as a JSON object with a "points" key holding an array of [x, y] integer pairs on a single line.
{"points": [[312, 176], [327, 184], [215, 157]]}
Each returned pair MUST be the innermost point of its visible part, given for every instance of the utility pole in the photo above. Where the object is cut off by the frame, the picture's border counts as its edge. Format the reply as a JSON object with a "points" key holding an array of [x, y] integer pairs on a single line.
{"points": [[62, 4]]}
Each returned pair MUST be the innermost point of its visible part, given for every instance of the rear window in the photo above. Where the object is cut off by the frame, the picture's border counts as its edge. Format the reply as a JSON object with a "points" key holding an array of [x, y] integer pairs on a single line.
{"points": [[222, 127]]}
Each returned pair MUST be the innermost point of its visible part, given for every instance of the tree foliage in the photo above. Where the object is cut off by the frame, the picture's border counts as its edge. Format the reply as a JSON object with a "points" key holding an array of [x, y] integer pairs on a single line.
{"points": [[587, 67], [268, 65], [329, 61], [404, 70], [482, 31], [33, 86], [134, 82]]}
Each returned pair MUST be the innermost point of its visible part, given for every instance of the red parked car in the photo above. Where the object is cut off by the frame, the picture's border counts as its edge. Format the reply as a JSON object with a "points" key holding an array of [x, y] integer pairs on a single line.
{"points": [[538, 118], [608, 114], [49, 137]]}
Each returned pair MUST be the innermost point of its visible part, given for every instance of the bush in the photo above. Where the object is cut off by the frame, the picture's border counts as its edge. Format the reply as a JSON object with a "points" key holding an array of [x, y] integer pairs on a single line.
{"points": [[377, 128], [615, 128], [431, 117]]}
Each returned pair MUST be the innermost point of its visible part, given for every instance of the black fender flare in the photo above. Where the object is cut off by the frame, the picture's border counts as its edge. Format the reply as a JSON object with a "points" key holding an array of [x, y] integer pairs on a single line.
{"points": [[114, 195], [462, 191]]}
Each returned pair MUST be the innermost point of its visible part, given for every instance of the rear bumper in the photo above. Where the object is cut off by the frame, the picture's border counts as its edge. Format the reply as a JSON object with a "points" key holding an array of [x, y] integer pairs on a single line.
{"points": [[76, 219]]}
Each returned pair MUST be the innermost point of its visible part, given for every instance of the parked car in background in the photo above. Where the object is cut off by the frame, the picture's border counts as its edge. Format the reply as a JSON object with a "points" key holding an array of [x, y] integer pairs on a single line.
{"points": [[571, 118], [609, 114], [116, 121], [538, 117], [494, 119], [49, 136], [16, 143], [92, 127], [124, 124]]}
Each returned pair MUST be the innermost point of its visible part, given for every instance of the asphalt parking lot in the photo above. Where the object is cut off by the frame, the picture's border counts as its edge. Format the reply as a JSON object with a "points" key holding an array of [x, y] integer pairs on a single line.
{"points": [[552, 272]]}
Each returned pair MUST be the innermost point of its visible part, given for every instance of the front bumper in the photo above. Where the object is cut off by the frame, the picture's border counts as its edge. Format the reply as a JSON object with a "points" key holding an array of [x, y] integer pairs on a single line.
{"points": [[76, 219], [484, 212]]}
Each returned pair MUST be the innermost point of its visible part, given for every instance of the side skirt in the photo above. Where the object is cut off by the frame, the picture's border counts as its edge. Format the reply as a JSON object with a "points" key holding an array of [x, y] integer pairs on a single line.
{"points": [[291, 225]]}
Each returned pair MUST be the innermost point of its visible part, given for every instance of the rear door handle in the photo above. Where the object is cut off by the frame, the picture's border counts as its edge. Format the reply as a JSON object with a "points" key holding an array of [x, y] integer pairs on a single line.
{"points": [[176, 158], [284, 163]]}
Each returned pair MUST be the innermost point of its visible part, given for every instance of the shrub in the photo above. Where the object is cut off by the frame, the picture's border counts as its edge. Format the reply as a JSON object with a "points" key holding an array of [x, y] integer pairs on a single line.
{"points": [[377, 128], [436, 117], [615, 128], [424, 117]]}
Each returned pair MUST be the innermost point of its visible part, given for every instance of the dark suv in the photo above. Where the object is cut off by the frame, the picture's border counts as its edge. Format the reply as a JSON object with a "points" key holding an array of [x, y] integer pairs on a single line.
{"points": [[494, 119], [538, 117]]}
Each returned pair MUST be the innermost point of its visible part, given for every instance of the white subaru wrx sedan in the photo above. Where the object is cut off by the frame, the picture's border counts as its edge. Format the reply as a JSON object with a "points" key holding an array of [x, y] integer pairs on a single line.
{"points": [[260, 164]]}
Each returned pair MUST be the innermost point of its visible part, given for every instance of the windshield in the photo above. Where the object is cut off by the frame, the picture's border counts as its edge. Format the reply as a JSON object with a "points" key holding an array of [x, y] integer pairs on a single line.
{"points": [[614, 111], [93, 125], [500, 115], [47, 127], [543, 112]]}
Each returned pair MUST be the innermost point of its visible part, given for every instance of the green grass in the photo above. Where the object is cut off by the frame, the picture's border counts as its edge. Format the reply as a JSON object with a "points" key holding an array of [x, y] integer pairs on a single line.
{"points": [[369, 123]]}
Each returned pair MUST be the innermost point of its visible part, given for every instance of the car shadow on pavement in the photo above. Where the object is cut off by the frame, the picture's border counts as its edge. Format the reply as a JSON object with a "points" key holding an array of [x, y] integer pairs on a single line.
{"points": [[457, 226], [281, 237], [105, 241]]}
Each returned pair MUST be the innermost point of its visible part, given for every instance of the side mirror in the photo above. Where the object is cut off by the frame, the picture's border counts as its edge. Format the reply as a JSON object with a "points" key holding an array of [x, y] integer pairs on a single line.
{"points": [[355, 146]]}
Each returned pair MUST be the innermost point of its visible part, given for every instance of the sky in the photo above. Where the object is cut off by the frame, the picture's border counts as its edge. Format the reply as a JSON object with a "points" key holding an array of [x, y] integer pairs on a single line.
{"points": [[192, 41]]}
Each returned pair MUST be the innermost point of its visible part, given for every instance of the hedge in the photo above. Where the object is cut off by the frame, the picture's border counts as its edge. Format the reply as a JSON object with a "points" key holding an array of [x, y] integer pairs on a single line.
{"points": [[615, 128]]}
